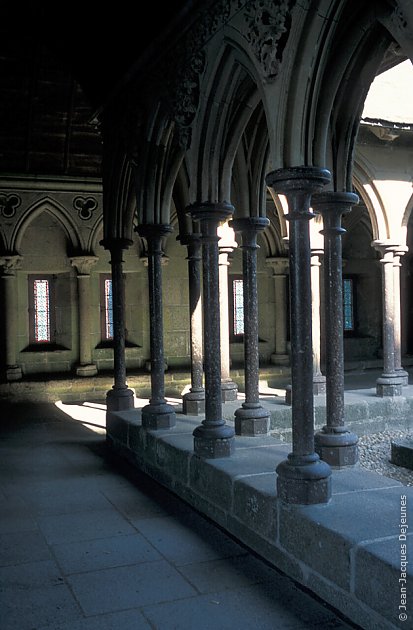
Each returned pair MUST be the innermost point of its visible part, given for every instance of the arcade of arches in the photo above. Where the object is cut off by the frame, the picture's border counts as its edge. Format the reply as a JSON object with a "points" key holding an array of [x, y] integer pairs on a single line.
{"points": [[131, 210]]}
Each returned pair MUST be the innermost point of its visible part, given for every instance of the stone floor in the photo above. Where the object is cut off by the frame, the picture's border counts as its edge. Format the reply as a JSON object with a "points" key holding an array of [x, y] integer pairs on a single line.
{"points": [[88, 545]]}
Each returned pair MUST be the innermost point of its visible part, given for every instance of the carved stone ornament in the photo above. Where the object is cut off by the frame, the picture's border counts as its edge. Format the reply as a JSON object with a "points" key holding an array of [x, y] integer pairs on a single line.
{"points": [[9, 264], [85, 207], [265, 25], [182, 74], [83, 264], [182, 95], [9, 204], [398, 18]]}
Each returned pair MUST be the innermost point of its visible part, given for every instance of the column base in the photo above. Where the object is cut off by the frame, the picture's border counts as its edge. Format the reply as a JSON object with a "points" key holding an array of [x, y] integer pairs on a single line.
{"points": [[319, 384], [304, 480], [120, 399], [401, 373], [229, 391], [193, 403], [389, 385], [160, 416], [252, 420], [13, 373], [214, 442], [280, 359], [337, 447], [86, 370]]}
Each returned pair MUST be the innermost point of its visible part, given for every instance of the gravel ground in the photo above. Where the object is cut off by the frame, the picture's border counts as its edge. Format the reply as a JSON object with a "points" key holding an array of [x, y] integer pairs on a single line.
{"points": [[375, 451]]}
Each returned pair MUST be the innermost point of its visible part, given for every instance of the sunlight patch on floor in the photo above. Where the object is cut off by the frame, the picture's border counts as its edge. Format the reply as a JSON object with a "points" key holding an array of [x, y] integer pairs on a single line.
{"points": [[92, 415]]}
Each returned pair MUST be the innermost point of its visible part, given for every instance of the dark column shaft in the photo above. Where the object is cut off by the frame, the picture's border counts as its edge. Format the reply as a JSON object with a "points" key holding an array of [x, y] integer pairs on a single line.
{"points": [[193, 402], [249, 266], [195, 307], [119, 397], [155, 319], [118, 304], [301, 328], [333, 291], [303, 477], [158, 414], [335, 443], [213, 438], [251, 418], [212, 355]]}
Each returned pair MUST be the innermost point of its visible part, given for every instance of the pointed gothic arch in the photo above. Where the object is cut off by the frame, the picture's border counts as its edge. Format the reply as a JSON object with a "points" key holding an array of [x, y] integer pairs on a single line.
{"points": [[56, 210]]}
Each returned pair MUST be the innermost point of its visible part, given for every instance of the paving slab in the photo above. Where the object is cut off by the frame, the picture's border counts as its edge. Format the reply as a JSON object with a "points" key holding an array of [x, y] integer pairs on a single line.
{"points": [[188, 539], [131, 586], [35, 594], [124, 620], [104, 553], [21, 547]]}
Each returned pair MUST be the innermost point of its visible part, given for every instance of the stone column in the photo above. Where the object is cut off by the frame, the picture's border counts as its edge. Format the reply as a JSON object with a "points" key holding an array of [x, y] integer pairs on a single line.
{"points": [[251, 418], [319, 380], [158, 414], [335, 444], [194, 400], [120, 397], [83, 266], [302, 478], [389, 383], [213, 438], [226, 246], [280, 272], [10, 264], [398, 253]]}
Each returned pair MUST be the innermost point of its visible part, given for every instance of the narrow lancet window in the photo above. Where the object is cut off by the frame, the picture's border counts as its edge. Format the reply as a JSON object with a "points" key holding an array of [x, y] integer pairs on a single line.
{"points": [[238, 301], [348, 304], [41, 298], [108, 309]]}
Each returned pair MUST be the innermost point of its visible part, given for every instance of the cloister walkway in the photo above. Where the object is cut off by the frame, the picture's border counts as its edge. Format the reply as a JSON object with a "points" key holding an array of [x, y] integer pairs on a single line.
{"points": [[89, 544]]}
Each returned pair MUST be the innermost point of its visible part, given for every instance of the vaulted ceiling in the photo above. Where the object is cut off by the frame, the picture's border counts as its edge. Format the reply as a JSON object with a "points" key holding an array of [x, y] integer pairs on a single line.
{"points": [[59, 62]]}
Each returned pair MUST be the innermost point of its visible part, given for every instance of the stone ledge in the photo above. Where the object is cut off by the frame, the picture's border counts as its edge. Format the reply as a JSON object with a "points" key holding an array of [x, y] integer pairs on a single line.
{"points": [[347, 552], [364, 412]]}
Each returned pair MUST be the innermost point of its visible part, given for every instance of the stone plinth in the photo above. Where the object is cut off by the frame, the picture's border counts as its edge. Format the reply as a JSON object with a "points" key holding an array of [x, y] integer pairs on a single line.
{"points": [[402, 453]]}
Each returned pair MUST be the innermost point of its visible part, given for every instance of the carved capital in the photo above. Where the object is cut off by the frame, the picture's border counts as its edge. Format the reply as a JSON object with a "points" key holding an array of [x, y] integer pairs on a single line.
{"points": [[10, 264], [83, 264]]}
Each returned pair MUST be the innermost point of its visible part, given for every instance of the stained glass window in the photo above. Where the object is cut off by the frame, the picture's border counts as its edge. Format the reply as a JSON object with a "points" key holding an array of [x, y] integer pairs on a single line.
{"points": [[41, 306], [108, 309], [238, 301], [348, 303]]}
